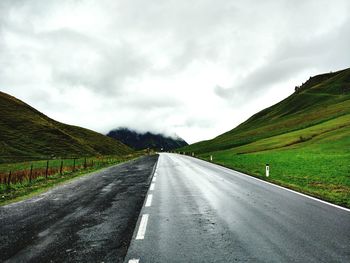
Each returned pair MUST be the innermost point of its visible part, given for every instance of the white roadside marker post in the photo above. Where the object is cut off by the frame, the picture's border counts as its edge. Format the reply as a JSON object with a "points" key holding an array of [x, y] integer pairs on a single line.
{"points": [[211, 158], [192, 154], [267, 170]]}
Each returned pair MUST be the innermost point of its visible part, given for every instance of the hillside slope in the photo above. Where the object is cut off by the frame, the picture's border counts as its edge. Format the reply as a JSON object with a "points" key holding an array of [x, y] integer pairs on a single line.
{"points": [[26, 133], [146, 140], [321, 98], [305, 139]]}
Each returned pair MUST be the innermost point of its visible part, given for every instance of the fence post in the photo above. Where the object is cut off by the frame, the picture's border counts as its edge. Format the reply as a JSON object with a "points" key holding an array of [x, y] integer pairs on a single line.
{"points": [[85, 163], [31, 173], [47, 169], [9, 178], [61, 167]]}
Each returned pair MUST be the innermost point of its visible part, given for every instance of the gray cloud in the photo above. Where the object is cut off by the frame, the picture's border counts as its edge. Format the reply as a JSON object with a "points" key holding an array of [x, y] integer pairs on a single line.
{"points": [[325, 52], [94, 65], [195, 68]]}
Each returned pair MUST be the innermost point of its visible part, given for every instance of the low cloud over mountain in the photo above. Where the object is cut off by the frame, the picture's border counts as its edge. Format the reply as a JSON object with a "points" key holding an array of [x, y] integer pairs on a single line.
{"points": [[139, 141]]}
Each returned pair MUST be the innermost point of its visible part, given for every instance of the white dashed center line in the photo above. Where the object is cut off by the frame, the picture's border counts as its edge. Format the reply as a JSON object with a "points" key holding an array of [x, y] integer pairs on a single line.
{"points": [[149, 201], [142, 227], [144, 219]]}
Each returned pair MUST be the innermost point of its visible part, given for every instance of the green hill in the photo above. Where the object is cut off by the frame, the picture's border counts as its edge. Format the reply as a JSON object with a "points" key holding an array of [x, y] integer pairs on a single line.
{"points": [[305, 138], [321, 98], [26, 134]]}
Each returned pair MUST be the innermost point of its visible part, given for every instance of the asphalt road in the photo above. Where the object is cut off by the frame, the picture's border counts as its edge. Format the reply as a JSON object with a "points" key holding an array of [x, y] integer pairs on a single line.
{"points": [[200, 212], [90, 219]]}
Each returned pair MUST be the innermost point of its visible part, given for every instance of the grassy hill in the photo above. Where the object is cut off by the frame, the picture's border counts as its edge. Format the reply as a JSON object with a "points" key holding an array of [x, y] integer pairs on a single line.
{"points": [[321, 98], [305, 138], [26, 134]]}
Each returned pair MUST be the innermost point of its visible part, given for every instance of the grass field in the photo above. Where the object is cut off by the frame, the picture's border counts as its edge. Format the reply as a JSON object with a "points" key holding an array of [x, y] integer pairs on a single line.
{"points": [[55, 163], [305, 139]]}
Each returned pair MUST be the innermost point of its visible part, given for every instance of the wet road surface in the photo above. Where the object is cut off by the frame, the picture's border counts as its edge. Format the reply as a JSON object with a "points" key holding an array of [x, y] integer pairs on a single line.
{"points": [[200, 212], [90, 219]]}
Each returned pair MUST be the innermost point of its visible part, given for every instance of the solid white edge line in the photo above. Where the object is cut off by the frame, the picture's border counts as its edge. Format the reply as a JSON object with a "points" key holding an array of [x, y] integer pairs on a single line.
{"points": [[290, 190], [37, 199], [275, 185], [142, 228], [152, 187], [134, 260], [149, 200]]}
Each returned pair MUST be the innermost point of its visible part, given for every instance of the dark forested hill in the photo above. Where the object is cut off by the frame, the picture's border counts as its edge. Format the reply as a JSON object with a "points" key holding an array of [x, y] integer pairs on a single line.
{"points": [[146, 140]]}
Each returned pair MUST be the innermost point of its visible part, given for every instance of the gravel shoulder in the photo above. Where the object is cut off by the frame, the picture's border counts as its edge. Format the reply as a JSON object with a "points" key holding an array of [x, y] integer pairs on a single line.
{"points": [[90, 219]]}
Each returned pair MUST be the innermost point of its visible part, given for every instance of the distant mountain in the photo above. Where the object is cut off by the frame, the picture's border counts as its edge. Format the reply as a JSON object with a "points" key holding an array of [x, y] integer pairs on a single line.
{"points": [[146, 140], [26, 134]]}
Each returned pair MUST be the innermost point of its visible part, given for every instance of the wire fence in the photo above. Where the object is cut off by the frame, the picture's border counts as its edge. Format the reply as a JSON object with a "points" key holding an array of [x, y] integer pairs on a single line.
{"points": [[29, 171]]}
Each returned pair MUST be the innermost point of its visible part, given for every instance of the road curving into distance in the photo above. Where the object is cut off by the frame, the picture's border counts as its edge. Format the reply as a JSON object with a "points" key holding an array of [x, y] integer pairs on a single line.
{"points": [[196, 211], [90, 219]]}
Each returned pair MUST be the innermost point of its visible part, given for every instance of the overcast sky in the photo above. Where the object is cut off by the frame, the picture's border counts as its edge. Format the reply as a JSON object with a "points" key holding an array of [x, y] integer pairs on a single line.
{"points": [[195, 68]]}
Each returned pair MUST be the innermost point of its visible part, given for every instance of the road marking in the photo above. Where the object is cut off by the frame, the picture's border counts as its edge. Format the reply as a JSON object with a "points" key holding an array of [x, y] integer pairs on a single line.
{"points": [[275, 185], [142, 227], [292, 191], [149, 201], [152, 186], [37, 200], [134, 260], [154, 179]]}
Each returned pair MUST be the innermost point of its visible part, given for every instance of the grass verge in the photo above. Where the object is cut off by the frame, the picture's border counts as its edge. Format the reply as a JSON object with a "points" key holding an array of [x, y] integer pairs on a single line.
{"points": [[319, 167]]}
